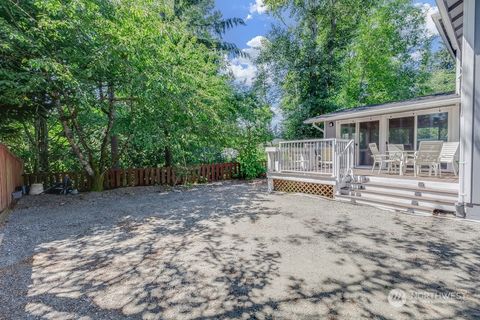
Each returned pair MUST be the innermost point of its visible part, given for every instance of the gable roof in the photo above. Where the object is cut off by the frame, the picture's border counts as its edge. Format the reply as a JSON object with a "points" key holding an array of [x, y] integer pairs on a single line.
{"points": [[421, 103]]}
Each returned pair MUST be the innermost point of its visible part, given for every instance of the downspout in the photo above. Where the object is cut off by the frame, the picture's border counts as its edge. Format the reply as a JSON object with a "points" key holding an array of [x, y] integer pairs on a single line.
{"points": [[460, 204]]}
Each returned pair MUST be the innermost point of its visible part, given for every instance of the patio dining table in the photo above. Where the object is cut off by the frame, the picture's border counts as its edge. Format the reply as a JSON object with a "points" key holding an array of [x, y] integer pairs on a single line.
{"points": [[404, 154]]}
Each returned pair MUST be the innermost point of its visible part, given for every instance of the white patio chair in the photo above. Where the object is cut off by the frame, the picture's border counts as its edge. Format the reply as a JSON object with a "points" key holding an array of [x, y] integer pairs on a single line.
{"points": [[428, 154], [395, 154], [325, 157], [447, 155], [300, 159], [379, 158]]}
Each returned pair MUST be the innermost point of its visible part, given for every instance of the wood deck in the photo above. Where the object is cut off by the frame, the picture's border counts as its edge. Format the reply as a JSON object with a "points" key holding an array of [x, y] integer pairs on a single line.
{"points": [[446, 176]]}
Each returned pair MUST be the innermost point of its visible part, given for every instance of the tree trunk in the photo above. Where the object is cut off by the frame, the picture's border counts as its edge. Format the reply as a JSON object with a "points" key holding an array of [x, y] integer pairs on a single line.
{"points": [[41, 137], [33, 146], [97, 181], [168, 157], [168, 150], [114, 151], [113, 137]]}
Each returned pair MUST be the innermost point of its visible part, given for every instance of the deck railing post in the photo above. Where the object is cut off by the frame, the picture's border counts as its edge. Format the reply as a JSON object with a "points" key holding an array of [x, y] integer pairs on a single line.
{"points": [[272, 159], [334, 157]]}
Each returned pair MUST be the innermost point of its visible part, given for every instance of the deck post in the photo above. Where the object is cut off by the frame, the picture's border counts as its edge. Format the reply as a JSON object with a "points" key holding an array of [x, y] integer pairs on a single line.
{"points": [[469, 196], [334, 158]]}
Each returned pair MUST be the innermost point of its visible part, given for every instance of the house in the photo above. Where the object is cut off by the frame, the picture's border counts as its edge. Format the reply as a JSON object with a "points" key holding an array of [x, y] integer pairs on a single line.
{"points": [[338, 166]]}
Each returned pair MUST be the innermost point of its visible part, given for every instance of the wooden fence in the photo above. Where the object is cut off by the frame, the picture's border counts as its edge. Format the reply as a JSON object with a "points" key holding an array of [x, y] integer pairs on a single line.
{"points": [[11, 169], [117, 178]]}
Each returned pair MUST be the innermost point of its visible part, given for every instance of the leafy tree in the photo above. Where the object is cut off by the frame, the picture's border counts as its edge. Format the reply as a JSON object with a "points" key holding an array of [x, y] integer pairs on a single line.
{"points": [[254, 132], [127, 83], [386, 58], [101, 62], [330, 54], [440, 68], [24, 105], [306, 55]]}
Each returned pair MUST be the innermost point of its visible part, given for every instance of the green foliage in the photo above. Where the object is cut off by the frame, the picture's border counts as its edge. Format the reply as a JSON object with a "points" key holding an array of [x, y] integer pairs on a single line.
{"points": [[147, 73], [305, 56], [253, 133], [251, 160], [347, 53], [391, 58]]}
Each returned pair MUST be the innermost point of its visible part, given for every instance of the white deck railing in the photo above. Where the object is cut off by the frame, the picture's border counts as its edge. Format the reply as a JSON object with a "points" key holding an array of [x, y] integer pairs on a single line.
{"points": [[330, 157]]}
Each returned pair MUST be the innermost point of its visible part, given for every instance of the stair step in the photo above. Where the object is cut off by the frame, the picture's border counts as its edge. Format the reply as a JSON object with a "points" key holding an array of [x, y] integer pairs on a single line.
{"points": [[407, 197], [409, 188], [388, 204]]}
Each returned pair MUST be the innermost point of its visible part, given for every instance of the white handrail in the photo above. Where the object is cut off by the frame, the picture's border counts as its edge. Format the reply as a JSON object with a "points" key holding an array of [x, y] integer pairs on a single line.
{"points": [[345, 162], [332, 157], [312, 140]]}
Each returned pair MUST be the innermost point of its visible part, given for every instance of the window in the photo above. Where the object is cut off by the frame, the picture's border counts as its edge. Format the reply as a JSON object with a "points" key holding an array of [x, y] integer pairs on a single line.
{"points": [[347, 131], [432, 127], [402, 131]]}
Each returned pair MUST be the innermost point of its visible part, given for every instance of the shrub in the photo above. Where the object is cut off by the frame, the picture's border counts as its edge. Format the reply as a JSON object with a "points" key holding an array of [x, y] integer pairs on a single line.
{"points": [[251, 160]]}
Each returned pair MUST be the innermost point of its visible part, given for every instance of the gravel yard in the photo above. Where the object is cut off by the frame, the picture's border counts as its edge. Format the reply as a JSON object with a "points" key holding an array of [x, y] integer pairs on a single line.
{"points": [[231, 250]]}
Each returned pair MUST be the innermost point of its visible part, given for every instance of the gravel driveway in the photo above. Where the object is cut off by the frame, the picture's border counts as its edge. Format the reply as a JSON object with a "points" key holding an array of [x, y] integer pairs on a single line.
{"points": [[232, 251]]}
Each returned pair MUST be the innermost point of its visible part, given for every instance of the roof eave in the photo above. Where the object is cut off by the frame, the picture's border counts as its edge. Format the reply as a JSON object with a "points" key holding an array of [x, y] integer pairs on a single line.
{"points": [[437, 20], [448, 25], [394, 108]]}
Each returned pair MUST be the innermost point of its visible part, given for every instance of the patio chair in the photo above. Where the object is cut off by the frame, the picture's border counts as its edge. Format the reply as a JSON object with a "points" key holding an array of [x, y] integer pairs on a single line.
{"points": [[379, 158], [428, 154], [325, 157], [447, 155], [300, 158], [395, 154]]}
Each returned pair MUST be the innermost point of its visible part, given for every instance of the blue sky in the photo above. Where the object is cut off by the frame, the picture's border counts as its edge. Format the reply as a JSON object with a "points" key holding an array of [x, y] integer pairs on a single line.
{"points": [[258, 23], [257, 19]]}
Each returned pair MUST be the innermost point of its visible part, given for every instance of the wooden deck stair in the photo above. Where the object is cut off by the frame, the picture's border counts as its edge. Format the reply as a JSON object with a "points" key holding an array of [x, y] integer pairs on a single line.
{"points": [[408, 195]]}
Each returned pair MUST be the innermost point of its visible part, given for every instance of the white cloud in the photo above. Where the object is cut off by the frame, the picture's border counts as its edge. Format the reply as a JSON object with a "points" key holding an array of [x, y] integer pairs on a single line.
{"points": [[258, 7], [429, 10], [249, 17], [244, 69], [243, 73], [256, 42]]}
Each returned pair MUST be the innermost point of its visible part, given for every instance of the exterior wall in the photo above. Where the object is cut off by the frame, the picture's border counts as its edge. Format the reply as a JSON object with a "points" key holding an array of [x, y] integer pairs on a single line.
{"points": [[330, 131], [470, 113], [453, 124]]}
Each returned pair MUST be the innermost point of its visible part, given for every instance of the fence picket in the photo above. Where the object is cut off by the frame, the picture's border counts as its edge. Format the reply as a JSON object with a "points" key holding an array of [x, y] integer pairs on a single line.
{"points": [[116, 178]]}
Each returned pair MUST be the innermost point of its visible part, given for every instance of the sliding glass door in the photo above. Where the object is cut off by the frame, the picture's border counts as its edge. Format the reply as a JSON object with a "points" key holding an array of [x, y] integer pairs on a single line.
{"points": [[369, 132], [402, 131], [432, 127]]}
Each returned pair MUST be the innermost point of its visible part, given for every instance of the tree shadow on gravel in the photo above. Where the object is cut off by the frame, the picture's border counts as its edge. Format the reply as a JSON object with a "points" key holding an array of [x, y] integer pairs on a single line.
{"points": [[164, 256], [439, 275], [196, 254]]}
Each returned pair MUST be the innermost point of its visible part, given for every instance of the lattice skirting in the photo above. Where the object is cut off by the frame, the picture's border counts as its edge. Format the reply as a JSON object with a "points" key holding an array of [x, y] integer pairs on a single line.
{"points": [[323, 190]]}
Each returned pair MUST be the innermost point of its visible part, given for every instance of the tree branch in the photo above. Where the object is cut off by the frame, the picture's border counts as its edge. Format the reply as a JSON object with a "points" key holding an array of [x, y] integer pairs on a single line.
{"points": [[71, 140], [108, 129]]}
